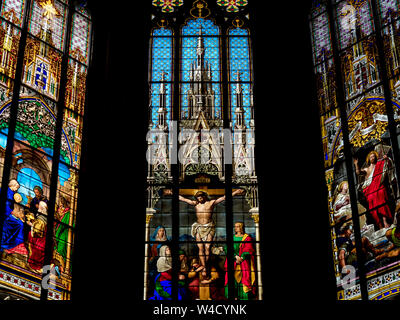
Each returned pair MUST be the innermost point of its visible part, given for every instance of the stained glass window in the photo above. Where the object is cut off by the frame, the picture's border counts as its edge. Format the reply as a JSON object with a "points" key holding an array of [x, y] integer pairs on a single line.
{"points": [[40, 160], [232, 5], [80, 38], [388, 10], [167, 6], [209, 41], [239, 74], [353, 22], [10, 33], [47, 21], [321, 38], [357, 96], [13, 11], [161, 74], [200, 80]]}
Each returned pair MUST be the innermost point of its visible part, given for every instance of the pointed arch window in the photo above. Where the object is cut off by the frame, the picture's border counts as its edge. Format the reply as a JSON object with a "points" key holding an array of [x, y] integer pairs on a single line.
{"points": [[200, 69], [45, 49], [201, 65], [363, 74], [161, 75]]}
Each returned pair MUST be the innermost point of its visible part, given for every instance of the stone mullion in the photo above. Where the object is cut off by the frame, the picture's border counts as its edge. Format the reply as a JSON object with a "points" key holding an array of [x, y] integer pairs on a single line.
{"points": [[174, 127], [340, 96], [228, 168], [48, 251], [13, 117], [383, 75]]}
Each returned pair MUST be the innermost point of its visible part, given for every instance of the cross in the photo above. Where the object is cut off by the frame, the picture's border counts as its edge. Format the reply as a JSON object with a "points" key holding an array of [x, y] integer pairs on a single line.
{"points": [[163, 74], [237, 74], [210, 192]]}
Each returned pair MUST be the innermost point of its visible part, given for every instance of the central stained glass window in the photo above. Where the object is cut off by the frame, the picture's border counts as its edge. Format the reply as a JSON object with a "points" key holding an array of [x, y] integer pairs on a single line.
{"points": [[202, 239]]}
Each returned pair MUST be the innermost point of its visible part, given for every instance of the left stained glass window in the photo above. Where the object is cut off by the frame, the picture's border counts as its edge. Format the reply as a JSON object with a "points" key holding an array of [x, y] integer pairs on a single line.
{"points": [[53, 77]]}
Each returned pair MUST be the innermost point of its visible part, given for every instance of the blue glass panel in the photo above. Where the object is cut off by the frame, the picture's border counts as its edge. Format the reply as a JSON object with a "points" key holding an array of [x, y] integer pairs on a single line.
{"points": [[155, 101], [161, 55], [28, 179], [215, 87], [63, 173], [193, 26], [184, 100], [162, 32], [238, 32], [246, 103], [239, 56], [190, 37], [3, 138]]}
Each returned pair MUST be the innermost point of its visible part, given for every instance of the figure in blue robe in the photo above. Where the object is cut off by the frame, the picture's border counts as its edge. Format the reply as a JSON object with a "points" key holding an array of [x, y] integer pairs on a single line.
{"points": [[163, 287], [163, 280], [13, 228]]}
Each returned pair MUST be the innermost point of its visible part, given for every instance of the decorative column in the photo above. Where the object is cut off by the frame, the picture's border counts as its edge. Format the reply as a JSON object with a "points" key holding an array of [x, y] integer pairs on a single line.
{"points": [[149, 215], [255, 215]]}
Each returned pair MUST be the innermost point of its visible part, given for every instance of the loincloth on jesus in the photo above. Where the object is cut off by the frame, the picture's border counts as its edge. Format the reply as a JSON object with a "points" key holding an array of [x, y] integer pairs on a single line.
{"points": [[203, 230]]}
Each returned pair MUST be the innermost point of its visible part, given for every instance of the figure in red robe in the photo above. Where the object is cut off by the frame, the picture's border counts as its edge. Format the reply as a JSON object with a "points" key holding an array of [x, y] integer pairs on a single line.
{"points": [[37, 239], [374, 189], [243, 266]]}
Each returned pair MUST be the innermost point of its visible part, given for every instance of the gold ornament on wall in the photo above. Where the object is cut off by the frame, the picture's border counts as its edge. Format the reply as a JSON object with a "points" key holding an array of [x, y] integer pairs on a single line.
{"points": [[238, 23], [200, 9]]}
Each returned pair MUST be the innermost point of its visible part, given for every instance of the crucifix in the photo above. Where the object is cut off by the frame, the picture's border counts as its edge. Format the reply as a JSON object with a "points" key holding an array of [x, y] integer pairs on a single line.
{"points": [[203, 230]]}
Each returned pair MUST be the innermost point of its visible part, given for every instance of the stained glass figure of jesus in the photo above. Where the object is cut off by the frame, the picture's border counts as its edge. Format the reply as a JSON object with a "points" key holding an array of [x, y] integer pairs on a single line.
{"points": [[203, 230]]}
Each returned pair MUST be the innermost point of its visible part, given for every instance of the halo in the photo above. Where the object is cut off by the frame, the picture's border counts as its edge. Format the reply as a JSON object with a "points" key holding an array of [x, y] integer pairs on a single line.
{"points": [[197, 190], [17, 197]]}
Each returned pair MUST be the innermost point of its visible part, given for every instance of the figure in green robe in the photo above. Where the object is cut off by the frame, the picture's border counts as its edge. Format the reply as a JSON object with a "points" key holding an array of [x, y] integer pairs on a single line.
{"points": [[244, 267], [61, 232]]}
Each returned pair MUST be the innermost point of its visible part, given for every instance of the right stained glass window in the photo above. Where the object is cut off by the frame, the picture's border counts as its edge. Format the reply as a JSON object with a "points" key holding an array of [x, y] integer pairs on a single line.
{"points": [[355, 47]]}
